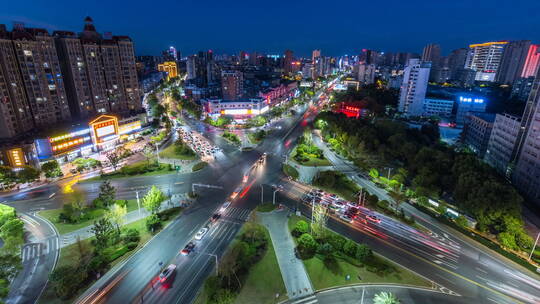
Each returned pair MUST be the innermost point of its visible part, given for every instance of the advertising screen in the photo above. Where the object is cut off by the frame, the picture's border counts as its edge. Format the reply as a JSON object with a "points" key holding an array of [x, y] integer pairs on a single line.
{"points": [[103, 131]]}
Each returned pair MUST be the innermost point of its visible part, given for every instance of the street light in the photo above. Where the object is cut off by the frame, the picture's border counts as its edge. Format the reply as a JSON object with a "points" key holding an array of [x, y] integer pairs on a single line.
{"points": [[278, 188], [262, 193], [138, 203], [215, 258], [534, 247], [157, 152]]}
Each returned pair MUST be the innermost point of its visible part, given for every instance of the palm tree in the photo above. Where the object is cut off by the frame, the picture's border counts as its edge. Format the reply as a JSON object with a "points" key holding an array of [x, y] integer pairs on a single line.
{"points": [[385, 298]]}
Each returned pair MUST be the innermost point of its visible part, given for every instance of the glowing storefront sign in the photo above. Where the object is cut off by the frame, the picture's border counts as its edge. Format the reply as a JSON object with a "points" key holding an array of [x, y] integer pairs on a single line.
{"points": [[123, 129], [16, 157], [235, 111], [103, 131], [470, 99]]}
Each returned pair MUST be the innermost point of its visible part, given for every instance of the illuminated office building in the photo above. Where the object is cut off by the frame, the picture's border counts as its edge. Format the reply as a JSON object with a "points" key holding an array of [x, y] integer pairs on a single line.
{"points": [[485, 59], [170, 68]]}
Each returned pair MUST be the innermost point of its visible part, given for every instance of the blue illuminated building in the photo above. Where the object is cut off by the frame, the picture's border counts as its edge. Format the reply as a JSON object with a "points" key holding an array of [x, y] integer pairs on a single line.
{"points": [[469, 103]]}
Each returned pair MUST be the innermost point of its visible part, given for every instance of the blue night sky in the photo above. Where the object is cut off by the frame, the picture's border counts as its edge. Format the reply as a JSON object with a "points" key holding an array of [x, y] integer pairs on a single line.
{"points": [[336, 27]]}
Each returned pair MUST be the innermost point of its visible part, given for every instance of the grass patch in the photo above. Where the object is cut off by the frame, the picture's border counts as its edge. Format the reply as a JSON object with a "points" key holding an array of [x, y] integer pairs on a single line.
{"points": [[231, 137], [310, 160], [199, 166], [264, 280], [140, 168], [170, 152], [70, 256], [266, 207], [90, 216], [324, 275], [290, 171]]}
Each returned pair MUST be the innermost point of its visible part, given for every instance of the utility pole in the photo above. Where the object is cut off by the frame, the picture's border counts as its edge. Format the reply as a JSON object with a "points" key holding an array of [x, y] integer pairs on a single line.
{"points": [[262, 194], [157, 152]]}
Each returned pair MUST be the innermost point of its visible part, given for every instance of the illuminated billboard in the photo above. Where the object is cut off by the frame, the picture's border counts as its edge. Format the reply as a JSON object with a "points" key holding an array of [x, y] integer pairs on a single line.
{"points": [[104, 131], [16, 157]]}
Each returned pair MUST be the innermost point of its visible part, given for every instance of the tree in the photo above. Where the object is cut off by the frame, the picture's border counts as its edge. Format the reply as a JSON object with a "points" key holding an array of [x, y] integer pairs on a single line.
{"points": [[28, 174], [326, 249], [51, 169], [7, 176], [306, 245], [153, 199], [114, 159], [153, 223], [363, 253], [107, 194], [349, 248], [300, 228], [66, 280], [462, 221], [116, 215], [102, 231], [320, 216], [148, 153], [507, 240], [12, 234], [385, 298]]}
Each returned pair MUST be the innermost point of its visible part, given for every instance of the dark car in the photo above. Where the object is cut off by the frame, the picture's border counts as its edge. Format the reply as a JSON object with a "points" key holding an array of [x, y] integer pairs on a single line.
{"points": [[215, 217], [189, 248]]}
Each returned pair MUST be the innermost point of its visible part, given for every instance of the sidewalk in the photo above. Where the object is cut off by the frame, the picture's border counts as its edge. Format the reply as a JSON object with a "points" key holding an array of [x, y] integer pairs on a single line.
{"points": [[294, 274], [133, 216]]}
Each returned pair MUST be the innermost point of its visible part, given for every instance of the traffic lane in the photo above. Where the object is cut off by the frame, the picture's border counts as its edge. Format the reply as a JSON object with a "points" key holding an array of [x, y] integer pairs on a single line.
{"points": [[193, 269], [405, 295], [430, 270], [144, 266]]}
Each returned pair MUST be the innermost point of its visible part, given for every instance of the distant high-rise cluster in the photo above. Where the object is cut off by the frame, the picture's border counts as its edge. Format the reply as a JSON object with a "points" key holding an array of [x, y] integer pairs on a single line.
{"points": [[50, 79]]}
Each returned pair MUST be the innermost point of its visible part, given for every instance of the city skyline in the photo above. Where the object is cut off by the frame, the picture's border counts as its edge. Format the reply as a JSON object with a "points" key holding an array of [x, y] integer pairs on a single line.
{"points": [[272, 29]]}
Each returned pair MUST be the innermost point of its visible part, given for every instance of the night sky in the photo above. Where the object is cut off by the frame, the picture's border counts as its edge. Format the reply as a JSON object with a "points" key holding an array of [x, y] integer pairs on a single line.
{"points": [[336, 27]]}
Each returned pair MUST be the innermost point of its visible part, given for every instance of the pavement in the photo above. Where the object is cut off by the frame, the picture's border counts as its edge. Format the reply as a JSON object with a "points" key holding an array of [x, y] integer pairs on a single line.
{"points": [[363, 294], [294, 273]]}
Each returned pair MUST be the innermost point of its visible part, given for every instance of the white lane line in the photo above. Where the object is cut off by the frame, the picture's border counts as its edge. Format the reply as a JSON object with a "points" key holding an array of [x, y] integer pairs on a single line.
{"points": [[53, 194], [481, 270]]}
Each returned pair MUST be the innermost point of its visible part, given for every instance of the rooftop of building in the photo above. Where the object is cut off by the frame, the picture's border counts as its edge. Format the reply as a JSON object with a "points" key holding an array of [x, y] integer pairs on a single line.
{"points": [[487, 117]]}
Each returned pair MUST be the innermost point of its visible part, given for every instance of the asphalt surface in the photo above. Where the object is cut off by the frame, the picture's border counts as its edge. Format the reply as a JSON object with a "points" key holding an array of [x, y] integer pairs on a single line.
{"points": [[454, 264]]}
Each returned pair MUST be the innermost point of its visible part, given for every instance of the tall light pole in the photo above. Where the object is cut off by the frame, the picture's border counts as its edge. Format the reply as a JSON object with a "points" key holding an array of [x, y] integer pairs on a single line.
{"points": [[262, 194], [215, 258], [138, 203], [278, 188], [534, 247], [157, 152]]}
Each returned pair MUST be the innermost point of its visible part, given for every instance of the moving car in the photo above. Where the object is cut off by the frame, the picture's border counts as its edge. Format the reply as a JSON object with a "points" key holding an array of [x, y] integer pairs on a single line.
{"points": [[189, 248], [224, 206], [215, 217], [235, 193], [201, 233], [346, 218], [166, 273], [373, 218]]}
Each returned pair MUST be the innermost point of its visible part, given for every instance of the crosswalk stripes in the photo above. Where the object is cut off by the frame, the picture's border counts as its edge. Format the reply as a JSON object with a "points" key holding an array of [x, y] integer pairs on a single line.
{"points": [[237, 213], [31, 251], [307, 300]]}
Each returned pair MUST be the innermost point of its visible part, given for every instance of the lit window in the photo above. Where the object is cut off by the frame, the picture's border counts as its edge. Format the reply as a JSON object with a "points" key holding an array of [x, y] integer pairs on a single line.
{"points": [[27, 53]]}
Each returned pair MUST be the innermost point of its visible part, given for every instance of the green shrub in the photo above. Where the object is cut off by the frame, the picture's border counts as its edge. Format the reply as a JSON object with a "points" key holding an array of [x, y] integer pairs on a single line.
{"points": [[66, 280], [300, 228], [349, 248], [306, 246], [363, 253], [132, 235], [132, 245], [153, 223], [199, 166], [113, 253]]}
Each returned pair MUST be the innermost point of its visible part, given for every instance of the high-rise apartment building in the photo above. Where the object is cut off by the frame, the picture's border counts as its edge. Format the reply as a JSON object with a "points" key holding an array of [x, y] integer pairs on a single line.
{"points": [[52, 79], [512, 61], [532, 62], [432, 52], [370, 57], [15, 114], [502, 142], [456, 62], [288, 62], [413, 88], [485, 59], [40, 70], [365, 73], [232, 85], [314, 55]]}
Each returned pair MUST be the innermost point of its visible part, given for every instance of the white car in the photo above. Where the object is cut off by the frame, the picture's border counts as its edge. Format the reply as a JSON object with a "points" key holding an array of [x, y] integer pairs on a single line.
{"points": [[224, 206], [201, 233], [346, 218]]}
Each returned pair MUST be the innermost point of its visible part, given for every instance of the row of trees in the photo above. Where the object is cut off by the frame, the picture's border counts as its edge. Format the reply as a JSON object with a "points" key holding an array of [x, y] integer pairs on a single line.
{"points": [[110, 242], [431, 169]]}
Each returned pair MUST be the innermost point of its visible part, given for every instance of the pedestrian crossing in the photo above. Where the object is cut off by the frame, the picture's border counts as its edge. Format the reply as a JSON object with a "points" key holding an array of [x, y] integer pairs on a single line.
{"points": [[235, 213], [32, 251]]}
